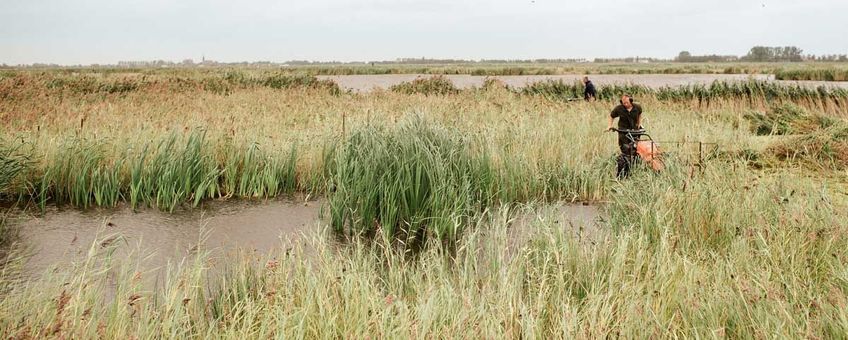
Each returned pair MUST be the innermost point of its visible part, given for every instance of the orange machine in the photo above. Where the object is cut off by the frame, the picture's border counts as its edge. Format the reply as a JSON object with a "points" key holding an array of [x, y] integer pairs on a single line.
{"points": [[646, 148], [649, 152]]}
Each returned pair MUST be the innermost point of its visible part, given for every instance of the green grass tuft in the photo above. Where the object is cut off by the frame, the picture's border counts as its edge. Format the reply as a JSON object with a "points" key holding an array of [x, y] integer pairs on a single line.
{"points": [[412, 181]]}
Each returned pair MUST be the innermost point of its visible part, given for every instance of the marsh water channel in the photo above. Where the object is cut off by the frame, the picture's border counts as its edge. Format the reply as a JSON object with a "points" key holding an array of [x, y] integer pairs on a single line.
{"points": [[222, 229], [364, 83]]}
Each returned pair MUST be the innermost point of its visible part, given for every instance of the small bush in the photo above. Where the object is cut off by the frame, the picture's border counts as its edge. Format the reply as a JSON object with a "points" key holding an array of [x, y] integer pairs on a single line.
{"points": [[555, 89], [282, 81], [216, 85], [494, 83], [85, 85], [438, 85]]}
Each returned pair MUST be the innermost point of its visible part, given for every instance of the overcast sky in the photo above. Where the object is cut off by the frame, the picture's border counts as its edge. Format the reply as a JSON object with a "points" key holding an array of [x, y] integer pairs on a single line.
{"points": [[106, 31]]}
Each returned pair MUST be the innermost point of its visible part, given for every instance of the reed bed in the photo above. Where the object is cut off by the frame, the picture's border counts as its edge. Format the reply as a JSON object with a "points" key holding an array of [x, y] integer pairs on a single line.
{"points": [[26, 85], [817, 74], [165, 174], [286, 141], [753, 92], [756, 262]]}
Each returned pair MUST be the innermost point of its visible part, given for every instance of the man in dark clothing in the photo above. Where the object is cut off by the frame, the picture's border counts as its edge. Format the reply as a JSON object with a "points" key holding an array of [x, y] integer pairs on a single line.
{"points": [[588, 90], [629, 118]]}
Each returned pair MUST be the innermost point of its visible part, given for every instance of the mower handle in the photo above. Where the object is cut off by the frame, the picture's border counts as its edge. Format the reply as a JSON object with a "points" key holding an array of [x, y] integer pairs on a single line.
{"points": [[633, 131]]}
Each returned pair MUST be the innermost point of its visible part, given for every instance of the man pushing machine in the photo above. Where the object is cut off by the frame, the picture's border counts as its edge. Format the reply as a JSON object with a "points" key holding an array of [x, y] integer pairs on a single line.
{"points": [[629, 118]]}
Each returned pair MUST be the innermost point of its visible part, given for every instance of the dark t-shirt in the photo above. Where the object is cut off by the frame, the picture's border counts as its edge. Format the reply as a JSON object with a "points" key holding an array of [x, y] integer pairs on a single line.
{"points": [[589, 90], [627, 120]]}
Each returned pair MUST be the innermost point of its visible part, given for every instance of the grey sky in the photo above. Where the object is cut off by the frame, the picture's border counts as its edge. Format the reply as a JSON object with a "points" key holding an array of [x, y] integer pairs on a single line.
{"points": [[106, 31]]}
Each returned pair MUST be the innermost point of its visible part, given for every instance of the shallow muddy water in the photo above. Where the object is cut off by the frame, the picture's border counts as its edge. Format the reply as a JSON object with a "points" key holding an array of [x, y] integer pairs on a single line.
{"points": [[61, 236], [360, 83], [222, 229], [585, 221]]}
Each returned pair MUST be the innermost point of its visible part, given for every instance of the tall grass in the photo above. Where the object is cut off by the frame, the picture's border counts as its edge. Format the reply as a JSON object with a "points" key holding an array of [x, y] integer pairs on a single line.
{"points": [[419, 179], [754, 90], [755, 259], [557, 89], [819, 74], [436, 85], [163, 175], [251, 153], [711, 249], [13, 162], [751, 92], [28, 84], [257, 173], [175, 170], [414, 180], [175, 173]]}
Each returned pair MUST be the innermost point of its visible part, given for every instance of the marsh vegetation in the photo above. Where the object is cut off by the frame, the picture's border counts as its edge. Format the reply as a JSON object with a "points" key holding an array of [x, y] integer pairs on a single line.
{"points": [[424, 185]]}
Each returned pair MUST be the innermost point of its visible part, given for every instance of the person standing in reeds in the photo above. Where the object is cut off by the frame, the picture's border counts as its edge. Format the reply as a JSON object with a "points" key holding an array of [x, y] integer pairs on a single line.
{"points": [[588, 89], [629, 117]]}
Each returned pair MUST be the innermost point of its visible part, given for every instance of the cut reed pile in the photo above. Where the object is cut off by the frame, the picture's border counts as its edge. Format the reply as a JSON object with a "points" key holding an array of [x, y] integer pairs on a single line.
{"points": [[787, 119], [824, 149]]}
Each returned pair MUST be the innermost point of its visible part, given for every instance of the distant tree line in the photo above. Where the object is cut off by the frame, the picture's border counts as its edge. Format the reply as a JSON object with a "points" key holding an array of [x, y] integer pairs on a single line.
{"points": [[686, 57], [766, 53], [828, 57], [629, 60], [755, 54], [761, 54]]}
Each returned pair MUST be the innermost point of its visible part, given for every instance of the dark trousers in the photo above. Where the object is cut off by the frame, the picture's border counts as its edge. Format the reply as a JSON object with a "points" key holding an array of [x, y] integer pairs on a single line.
{"points": [[623, 165], [625, 161]]}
